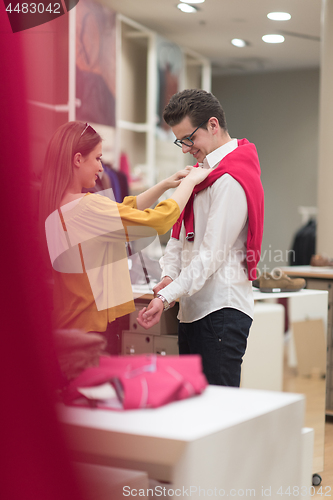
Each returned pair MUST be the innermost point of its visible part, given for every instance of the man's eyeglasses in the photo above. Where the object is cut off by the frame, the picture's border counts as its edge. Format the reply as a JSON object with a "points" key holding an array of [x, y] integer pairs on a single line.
{"points": [[86, 128], [187, 141]]}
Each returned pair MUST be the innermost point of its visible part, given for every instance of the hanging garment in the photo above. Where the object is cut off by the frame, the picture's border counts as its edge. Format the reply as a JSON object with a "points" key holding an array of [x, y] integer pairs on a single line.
{"points": [[112, 174], [118, 181], [304, 245], [124, 165], [123, 182]]}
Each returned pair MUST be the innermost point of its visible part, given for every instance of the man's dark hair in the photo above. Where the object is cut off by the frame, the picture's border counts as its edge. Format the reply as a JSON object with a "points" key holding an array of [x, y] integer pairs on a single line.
{"points": [[197, 104]]}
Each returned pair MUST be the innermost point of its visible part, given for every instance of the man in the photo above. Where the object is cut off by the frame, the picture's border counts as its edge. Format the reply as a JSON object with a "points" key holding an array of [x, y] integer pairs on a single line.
{"points": [[212, 255]]}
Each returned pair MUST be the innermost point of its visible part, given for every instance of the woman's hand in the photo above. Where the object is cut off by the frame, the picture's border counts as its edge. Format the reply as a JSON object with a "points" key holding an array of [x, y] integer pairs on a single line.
{"points": [[195, 176], [174, 180], [198, 174], [184, 190]]}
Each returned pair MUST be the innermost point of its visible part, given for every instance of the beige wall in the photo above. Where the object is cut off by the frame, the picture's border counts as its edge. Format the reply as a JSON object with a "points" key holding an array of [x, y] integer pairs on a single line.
{"points": [[279, 113]]}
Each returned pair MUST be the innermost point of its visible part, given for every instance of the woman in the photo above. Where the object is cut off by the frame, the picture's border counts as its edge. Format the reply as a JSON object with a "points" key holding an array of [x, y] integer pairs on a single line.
{"points": [[86, 234]]}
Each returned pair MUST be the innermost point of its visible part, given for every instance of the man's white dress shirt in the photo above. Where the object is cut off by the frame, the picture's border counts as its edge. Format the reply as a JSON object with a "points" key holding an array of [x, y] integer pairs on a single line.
{"points": [[210, 272]]}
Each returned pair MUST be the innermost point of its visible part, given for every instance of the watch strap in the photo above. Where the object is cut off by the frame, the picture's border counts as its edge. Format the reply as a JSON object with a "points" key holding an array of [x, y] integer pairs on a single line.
{"points": [[166, 304]]}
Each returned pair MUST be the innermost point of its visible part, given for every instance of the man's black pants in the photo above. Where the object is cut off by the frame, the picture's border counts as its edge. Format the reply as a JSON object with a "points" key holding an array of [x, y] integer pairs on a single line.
{"points": [[220, 338]]}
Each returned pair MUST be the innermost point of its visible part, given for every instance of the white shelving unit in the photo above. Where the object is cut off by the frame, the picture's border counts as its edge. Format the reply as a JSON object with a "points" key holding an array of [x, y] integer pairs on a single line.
{"points": [[150, 156]]}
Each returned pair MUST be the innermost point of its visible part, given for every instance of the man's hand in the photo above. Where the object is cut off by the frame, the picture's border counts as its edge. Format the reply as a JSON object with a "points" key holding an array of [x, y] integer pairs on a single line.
{"points": [[162, 284], [149, 316]]}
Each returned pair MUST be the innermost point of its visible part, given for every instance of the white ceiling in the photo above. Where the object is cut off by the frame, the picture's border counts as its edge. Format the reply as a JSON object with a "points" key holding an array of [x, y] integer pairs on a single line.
{"points": [[210, 30]]}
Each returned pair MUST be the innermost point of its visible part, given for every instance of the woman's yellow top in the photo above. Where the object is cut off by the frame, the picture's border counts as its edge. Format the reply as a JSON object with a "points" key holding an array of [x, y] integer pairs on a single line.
{"points": [[86, 241]]}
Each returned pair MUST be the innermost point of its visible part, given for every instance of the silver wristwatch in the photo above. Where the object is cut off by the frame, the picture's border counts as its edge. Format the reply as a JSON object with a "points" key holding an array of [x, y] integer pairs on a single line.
{"points": [[166, 304]]}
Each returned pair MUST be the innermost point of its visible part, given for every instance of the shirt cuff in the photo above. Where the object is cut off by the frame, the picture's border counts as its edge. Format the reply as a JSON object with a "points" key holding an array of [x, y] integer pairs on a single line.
{"points": [[171, 292]]}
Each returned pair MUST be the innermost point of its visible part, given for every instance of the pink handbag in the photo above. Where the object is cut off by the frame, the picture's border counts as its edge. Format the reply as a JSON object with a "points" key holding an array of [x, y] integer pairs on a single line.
{"points": [[144, 381]]}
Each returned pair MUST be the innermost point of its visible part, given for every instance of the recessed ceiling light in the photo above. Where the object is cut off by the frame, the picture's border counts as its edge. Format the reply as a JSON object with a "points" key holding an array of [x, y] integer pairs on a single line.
{"points": [[194, 1], [238, 42], [184, 7], [279, 16], [273, 38]]}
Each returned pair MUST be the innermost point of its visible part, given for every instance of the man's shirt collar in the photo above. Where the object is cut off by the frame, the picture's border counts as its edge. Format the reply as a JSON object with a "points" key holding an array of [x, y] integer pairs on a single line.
{"points": [[214, 158]]}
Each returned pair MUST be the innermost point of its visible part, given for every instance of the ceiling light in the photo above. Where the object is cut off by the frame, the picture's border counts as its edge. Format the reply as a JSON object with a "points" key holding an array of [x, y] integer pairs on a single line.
{"points": [[238, 42], [184, 7], [193, 1], [279, 16], [273, 38]]}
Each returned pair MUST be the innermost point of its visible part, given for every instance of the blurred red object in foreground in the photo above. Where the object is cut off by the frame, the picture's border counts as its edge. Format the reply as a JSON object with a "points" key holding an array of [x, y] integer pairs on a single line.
{"points": [[35, 462]]}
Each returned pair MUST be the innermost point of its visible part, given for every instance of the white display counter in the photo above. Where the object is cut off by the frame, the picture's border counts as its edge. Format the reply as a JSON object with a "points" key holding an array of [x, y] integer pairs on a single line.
{"points": [[226, 442], [262, 366], [263, 361]]}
